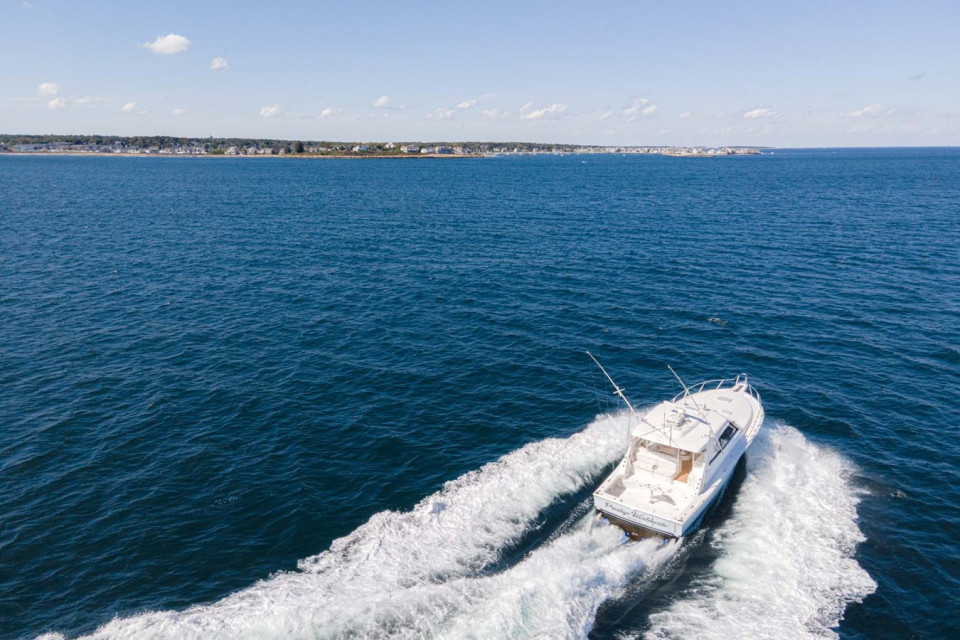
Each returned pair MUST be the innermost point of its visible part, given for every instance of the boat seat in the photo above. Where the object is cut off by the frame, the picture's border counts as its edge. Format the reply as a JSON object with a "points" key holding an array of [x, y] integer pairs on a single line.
{"points": [[655, 462]]}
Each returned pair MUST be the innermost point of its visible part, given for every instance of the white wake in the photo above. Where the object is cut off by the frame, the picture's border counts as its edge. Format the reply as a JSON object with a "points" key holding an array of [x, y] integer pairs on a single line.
{"points": [[786, 559], [786, 567], [418, 573]]}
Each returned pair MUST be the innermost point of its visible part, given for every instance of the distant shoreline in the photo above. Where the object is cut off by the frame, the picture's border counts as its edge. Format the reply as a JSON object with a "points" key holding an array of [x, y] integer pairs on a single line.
{"points": [[298, 156], [349, 156]]}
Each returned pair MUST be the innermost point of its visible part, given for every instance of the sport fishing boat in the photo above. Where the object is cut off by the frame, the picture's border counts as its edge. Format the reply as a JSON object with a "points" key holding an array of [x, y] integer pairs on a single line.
{"points": [[681, 456]]}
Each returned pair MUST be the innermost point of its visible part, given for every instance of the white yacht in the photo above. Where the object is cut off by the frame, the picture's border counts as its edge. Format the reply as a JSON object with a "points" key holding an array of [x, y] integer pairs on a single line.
{"points": [[681, 456]]}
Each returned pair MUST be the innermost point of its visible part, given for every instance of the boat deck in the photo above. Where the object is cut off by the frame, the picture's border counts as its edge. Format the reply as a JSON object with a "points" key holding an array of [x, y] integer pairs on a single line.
{"points": [[667, 500]]}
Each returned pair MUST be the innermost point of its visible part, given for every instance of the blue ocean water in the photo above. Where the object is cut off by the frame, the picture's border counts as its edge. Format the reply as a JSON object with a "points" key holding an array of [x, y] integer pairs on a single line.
{"points": [[332, 398]]}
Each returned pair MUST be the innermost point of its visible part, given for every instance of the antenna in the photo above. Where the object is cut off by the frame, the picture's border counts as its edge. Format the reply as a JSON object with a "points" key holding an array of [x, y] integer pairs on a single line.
{"points": [[617, 391]]}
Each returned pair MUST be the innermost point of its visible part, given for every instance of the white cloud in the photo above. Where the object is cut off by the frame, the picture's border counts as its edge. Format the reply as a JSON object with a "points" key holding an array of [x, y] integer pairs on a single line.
{"points": [[606, 115], [330, 112], [762, 112], [47, 89], [557, 109], [270, 111], [526, 107], [168, 44], [57, 103], [441, 114], [639, 108], [127, 108], [381, 102], [219, 63], [86, 100], [494, 114], [870, 111], [685, 115], [178, 112]]}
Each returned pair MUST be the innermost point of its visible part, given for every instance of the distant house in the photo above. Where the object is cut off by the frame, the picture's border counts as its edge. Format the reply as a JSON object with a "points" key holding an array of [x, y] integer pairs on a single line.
{"points": [[410, 148], [29, 148], [390, 145], [361, 147], [444, 150]]}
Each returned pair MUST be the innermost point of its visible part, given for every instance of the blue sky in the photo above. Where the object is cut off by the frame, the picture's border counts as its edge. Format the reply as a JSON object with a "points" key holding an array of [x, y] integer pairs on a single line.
{"points": [[806, 74]]}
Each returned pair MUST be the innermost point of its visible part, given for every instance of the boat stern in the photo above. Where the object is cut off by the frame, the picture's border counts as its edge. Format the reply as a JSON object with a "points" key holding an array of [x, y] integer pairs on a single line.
{"points": [[636, 522]]}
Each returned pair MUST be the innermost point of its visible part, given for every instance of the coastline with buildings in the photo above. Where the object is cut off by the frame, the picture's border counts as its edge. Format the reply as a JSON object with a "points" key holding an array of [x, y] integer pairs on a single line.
{"points": [[165, 146]]}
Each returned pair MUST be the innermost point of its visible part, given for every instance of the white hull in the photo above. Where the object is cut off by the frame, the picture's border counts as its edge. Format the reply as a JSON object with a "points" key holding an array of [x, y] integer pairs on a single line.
{"points": [[681, 458]]}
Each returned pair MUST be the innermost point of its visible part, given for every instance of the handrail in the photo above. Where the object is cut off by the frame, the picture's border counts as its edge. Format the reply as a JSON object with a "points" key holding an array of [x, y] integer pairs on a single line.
{"points": [[719, 382]]}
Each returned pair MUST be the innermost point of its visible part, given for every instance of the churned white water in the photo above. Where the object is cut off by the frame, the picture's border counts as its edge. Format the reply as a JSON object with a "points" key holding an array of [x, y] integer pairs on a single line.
{"points": [[397, 575], [785, 569]]}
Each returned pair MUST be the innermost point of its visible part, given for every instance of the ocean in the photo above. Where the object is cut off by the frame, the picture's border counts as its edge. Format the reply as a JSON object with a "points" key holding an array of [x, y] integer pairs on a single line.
{"points": [[286, 398]]}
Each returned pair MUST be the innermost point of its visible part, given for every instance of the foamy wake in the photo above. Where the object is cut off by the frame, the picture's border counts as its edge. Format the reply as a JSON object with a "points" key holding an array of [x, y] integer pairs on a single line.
{"points": [[786, 566], [421, 572], [786, 559]]}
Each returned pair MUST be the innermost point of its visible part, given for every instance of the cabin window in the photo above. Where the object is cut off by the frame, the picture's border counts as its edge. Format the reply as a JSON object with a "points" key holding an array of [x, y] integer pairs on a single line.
{"points": [[726, 435]]}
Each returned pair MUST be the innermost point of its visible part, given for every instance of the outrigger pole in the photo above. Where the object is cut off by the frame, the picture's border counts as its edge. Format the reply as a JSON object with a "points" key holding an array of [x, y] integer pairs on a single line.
{"points": [[617, 391], [686, 392]]}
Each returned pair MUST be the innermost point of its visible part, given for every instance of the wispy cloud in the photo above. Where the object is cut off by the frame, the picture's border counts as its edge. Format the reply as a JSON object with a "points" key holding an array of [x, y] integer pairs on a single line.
{"points": [[685, 115], [330, 112], [639, 108], [871, 111], [382, 102], [917, 76], [86, 100], [444, 113], [178, 112], [219, 63], [270, 111], [127, 108], [47, 89], [57, 103], [494, 114], [168, 44], [441, 114], [762, 112], [555, 110]]}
